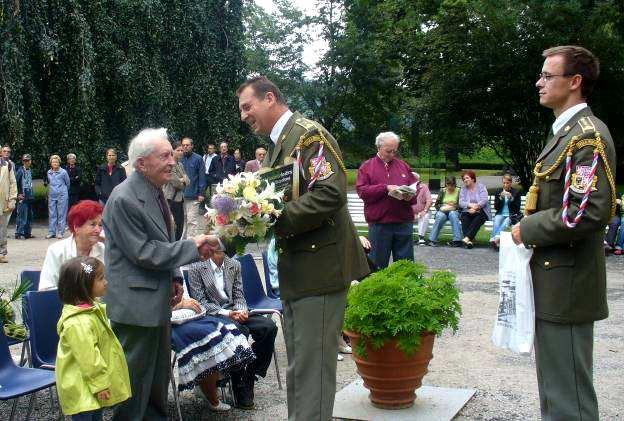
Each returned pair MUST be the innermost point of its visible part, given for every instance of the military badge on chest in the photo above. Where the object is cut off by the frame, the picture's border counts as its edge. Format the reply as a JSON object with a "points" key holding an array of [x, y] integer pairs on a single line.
{"points": [[582, 179], [321, 168]]}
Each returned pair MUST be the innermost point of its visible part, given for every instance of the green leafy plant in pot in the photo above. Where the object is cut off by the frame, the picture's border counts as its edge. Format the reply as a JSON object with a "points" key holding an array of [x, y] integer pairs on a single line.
{"points": [[392, 317]]}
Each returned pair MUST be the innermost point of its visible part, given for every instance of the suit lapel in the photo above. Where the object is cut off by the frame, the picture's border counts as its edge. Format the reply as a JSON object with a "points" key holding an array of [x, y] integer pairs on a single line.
{"points": [[280, 140], [145, 193], [208, 279], [227, 278]]}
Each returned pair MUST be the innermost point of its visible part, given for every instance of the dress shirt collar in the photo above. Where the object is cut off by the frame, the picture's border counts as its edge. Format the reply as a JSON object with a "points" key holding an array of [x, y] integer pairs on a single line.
{"points": [[565, 116], [279, 125], [384, 162], [214, 266]]}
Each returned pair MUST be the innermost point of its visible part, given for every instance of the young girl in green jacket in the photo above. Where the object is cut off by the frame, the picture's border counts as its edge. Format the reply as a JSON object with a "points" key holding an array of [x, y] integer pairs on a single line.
{"points": [[91, 369]]}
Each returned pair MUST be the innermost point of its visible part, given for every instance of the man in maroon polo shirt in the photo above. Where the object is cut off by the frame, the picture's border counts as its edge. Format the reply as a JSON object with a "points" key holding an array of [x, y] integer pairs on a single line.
{"points": [[390, 220]]}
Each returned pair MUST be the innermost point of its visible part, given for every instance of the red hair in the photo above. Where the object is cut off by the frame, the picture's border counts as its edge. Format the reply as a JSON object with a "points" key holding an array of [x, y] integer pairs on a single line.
{"points": [[471, 174], [82, 212]]}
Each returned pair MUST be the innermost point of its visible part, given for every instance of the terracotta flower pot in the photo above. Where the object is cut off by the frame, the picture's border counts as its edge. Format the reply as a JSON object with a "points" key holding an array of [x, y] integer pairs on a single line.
{"points": [[391, 376]]}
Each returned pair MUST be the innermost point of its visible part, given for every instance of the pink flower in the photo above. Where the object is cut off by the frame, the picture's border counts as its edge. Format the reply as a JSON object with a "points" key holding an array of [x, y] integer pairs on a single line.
{"points": [[222, 219], [254, 209]]}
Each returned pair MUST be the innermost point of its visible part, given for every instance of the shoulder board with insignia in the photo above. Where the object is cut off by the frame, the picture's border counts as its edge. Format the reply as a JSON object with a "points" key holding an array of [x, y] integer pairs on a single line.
{"points": [[587, 125], [306, 124]]}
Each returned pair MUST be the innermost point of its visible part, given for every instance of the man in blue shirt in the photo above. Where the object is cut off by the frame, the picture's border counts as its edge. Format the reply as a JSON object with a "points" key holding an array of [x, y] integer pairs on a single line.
{"points": [[194, 193], [25, 197]]}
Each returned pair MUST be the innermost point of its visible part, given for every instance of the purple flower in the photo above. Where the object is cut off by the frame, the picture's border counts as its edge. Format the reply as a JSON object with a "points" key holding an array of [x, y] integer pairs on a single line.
{"points": [[223, 204]]}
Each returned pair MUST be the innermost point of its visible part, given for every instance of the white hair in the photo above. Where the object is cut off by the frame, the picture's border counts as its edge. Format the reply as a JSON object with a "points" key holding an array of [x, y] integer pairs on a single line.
{"points": [[71, 155], [381, 137], [143, 144]]}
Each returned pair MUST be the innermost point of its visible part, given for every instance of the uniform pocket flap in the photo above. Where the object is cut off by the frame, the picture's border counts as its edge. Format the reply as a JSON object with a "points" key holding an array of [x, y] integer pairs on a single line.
{"points": [[142, 283], [313, 246], [555, 260]]}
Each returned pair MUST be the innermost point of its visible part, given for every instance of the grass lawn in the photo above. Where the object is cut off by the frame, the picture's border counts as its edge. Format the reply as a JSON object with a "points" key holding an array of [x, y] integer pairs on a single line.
{"points": [[424, 174], [482, 238]]}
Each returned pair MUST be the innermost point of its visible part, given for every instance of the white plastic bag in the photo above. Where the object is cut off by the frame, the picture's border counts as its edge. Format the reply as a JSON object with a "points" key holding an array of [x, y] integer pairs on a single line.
{"points": [[514, 328]]}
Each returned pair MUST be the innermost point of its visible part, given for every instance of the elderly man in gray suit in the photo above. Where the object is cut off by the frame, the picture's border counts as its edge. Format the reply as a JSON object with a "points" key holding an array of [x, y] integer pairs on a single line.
{"points": [[218, 285], [142, 268]]}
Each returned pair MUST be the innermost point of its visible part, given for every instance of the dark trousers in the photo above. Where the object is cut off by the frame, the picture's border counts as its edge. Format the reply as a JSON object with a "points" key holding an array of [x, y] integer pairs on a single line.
{"points": [[263, 332], [73, 199], [564, 362], [95, 415], [148, 353], [471, 222], [611, 234], [177, 210], [396, 239], [23, 219]]}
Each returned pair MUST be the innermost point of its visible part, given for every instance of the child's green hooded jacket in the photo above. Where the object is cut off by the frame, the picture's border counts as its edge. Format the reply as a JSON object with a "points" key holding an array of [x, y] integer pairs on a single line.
{"points": [[89, 359]]}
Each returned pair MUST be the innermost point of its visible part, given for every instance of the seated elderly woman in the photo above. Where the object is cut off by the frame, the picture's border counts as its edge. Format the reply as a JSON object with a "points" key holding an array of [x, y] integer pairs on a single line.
{"points": [[475, 207], [421, 207], [85, 225], [206, 346]]}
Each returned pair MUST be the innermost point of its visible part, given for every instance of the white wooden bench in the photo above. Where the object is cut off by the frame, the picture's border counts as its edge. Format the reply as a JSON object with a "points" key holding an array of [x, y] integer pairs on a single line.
{"points": [[356, 210]]}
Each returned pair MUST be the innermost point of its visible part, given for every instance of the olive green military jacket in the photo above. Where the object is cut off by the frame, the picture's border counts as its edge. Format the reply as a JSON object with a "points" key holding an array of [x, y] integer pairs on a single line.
{"points": [[568, 264], [319, 252]]}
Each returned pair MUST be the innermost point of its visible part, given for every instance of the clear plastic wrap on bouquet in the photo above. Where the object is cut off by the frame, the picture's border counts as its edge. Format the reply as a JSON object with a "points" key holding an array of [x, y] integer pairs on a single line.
{"points": [[244, 209]]}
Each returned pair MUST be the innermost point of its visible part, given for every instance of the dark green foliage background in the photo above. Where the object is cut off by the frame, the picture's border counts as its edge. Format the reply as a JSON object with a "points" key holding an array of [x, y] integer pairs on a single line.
{"points": [[84, 75]]}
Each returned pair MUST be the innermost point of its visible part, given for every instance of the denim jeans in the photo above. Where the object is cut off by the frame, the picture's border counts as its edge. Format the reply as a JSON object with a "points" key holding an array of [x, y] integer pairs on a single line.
{"points": [[95, 415], [440, 220], [612, 233], [500, 223], [23, 220], [57, 212], [395, 238], [620, 238]]}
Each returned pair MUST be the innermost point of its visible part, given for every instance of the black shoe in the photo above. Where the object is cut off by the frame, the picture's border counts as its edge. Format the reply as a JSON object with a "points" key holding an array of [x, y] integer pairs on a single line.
{"points": [[19, 237], [468, 245], [244, 397], [29, 236], [243, 386], [432, 243], [455, 243]]}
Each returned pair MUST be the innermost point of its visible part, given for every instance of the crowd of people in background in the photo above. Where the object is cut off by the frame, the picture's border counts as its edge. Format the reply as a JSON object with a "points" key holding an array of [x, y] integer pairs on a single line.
{"points": [[192, 184]]}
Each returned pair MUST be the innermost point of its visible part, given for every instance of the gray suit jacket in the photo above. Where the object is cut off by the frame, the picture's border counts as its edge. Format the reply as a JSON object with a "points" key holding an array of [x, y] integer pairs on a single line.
{"points": [[204, 290], [141, 257]]}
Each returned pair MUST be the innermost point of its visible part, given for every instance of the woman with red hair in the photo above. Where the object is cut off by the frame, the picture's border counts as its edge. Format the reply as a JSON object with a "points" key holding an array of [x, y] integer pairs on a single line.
{"points": [[85, 224], [475, 207]]}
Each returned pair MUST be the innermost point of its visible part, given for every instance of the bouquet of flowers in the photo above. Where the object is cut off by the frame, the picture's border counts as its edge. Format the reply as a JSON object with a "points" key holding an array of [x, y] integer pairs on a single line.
{"points": [[244, 209]]}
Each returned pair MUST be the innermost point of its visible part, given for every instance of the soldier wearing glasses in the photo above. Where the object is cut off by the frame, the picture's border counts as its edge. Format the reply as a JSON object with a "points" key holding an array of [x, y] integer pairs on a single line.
{"points": [[568, 206]]}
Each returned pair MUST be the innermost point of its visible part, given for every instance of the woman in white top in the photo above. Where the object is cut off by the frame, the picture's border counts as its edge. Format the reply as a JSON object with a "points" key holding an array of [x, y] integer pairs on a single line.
{"points": [[85, 224]]}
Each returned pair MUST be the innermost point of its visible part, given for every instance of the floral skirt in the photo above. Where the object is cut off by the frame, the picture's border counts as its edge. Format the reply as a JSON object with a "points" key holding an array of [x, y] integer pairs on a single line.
{"points": [[207, 345]]}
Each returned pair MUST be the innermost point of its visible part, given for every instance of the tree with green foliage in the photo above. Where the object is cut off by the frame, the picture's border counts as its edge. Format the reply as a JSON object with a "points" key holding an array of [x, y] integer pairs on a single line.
{"points": [[82, 76], [460, 74]]}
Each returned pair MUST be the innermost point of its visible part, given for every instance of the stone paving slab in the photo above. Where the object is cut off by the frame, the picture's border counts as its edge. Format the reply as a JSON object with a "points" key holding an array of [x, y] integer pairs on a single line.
{"points": [[432, 404]]}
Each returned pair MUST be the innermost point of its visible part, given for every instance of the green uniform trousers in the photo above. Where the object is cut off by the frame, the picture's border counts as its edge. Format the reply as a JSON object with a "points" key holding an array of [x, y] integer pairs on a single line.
{"points": [[564, 360], [311, 329], [148, 353]]}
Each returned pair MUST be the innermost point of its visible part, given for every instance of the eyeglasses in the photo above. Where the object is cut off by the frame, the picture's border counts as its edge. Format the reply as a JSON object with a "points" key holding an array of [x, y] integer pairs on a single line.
{"points": [[548, 76]]}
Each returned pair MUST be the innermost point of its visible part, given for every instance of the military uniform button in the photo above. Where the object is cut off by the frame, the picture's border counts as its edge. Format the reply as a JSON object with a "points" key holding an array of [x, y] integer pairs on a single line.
{"points": [[547, 177], [313, 246], [547, 263]]}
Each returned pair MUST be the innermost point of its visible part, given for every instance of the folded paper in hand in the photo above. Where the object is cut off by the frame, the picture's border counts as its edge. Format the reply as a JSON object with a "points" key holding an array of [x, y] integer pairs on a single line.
{"points": [[402, 191]]}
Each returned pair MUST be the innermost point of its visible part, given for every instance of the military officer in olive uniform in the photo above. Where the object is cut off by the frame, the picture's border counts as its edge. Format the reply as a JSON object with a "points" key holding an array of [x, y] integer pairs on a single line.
{"points": [[568, 206], [319, 252]]}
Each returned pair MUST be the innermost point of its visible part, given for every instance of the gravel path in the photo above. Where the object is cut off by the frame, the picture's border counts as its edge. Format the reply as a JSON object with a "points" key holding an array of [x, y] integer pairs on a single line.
{"points": [[506, 384]]}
